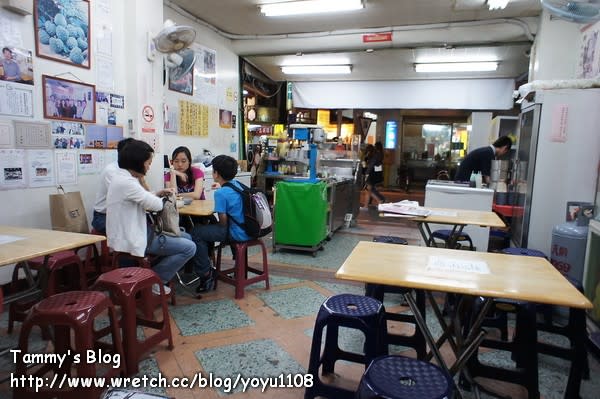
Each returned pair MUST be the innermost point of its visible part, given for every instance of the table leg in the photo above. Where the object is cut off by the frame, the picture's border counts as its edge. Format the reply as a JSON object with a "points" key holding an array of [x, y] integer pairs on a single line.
{"points": [[425, 233], [575, 375]]}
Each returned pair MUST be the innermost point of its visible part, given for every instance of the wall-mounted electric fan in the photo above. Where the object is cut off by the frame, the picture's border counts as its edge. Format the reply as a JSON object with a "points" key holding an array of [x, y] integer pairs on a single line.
{"points": [[579, 11], [173, 41]]}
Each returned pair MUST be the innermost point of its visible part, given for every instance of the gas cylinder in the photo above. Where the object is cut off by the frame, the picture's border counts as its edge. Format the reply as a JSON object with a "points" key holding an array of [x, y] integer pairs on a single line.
{"points": [[569, 240]]}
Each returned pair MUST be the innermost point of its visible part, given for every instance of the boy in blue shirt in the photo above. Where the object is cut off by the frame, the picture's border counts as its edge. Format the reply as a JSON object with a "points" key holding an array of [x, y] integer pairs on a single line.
{"points": [[228, 204]]}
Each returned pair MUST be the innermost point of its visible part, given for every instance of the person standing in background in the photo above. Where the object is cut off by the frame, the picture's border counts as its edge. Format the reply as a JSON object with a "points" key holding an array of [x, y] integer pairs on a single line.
{"points": [[374, 171], [480, 160]]}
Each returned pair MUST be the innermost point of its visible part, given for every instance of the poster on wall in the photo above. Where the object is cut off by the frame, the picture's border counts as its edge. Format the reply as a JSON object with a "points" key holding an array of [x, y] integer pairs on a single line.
{"points": [[66, 166], [171, 113], [225, 119], [99, 136], [68, 135], [15, 99], [62, 31], [589, 63], [16, 65], [90, 162], [193, 119], [12, 169], [181, 77], [40, 167], [205, 75], [117, 101]]}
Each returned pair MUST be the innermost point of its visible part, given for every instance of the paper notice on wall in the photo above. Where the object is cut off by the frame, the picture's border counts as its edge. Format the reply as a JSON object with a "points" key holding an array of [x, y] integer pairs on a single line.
{"points": [[40, 166], [16, 99], [32, 135], [66, 167], [104, 73], [12, 169], [456, 265], [7, 135], [10, 29], [560, 113], [90, 162], [151, 139]]}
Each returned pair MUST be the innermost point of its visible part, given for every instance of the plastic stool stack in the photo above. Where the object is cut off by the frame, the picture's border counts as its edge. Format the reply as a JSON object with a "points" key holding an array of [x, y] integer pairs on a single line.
{"points": [[399, 377], [351, 311]]}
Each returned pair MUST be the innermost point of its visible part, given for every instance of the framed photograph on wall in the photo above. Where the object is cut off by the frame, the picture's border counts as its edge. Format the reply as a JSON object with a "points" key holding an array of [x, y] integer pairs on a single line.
{"points": [[62, 31], [68, 100], [16, 65]]}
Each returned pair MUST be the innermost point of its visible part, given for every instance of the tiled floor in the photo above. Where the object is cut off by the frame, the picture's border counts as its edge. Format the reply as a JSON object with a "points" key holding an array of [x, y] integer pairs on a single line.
{"points": [[268, 333]]}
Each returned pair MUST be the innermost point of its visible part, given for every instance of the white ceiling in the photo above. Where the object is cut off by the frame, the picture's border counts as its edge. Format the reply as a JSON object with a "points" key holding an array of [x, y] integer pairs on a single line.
{"points": [[421, 29]]}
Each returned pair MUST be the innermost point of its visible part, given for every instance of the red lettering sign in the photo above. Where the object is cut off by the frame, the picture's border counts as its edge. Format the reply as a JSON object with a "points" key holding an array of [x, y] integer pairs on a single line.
{"points": [[377, 37]]}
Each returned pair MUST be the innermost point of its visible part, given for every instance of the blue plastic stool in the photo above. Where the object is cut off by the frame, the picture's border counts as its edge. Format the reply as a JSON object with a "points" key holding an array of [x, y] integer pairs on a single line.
{"points": [[523, 252], [499, 319], [399, 377], [352, 311], [444, 235]]}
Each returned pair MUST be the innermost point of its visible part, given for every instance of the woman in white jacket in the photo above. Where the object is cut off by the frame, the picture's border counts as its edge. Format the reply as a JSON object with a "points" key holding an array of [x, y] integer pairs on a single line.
{"points": [[127, 202]]}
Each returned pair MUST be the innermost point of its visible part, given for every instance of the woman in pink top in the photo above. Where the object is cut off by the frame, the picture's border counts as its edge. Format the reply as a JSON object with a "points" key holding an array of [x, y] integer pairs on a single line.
{"points": [[188, 180]]}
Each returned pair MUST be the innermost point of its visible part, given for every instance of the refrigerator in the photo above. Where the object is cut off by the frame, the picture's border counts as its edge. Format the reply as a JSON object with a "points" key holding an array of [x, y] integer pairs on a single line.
{"points": [[558, 151], [447, 194]]}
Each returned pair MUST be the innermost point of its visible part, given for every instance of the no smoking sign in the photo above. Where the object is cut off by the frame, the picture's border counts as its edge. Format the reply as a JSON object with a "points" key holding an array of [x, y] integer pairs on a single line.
{"points": [[148, 113]]}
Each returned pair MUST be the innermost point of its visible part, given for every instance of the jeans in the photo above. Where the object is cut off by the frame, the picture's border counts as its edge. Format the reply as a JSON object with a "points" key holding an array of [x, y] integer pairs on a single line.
{"points": [[204, 236], [174, 252], [99, 222]]}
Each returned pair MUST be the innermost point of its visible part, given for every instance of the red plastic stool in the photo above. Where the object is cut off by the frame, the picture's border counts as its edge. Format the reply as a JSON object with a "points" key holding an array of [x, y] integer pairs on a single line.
{"points": [[150, 302], [56, 262], [124, 284], [71, 311], [238, 274]]}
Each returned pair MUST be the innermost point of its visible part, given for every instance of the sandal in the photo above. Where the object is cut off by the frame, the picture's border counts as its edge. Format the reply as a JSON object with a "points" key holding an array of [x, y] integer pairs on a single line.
{"points": [[207, 283]]}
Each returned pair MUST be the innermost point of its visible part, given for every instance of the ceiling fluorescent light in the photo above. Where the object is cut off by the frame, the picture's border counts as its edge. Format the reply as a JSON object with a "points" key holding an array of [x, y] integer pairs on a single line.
{"points": [[457, 67], [309, 7], [316, 69], [497, 4]]}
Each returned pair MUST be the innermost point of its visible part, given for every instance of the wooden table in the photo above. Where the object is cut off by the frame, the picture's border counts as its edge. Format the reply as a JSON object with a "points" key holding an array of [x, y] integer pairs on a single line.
{"points": [[33, 243], [489, 275], [198, 208], [458, 219]]}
